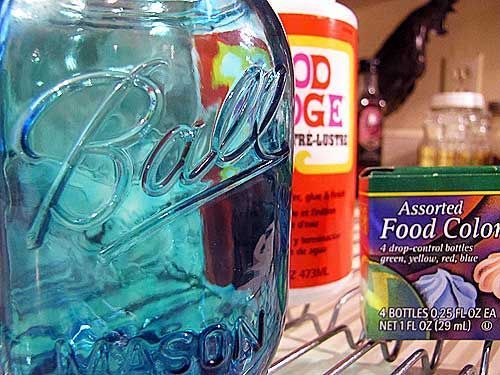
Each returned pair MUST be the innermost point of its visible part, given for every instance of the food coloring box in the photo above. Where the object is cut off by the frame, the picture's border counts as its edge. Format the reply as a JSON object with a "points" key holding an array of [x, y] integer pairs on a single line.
{"points": [[430, 243]]}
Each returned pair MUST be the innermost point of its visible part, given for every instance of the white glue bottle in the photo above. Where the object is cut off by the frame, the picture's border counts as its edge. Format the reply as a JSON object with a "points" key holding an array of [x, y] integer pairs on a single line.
{"points": [[323, 36]]}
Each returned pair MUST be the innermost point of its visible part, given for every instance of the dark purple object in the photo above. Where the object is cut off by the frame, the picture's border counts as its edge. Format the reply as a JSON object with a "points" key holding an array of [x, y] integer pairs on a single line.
{"points": [[403, 56]]}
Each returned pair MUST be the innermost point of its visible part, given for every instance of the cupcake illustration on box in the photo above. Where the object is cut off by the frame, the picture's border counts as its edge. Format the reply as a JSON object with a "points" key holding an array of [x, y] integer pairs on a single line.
{"points": [[443, 290], [487, 275]]}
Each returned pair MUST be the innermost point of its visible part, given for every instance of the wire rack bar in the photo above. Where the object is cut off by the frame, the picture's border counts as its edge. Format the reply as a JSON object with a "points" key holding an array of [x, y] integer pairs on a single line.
{"points": [[306, 316], [297, 353], [485, 360], [468, 370], [355, 356], [428, 366], [350, 295]]}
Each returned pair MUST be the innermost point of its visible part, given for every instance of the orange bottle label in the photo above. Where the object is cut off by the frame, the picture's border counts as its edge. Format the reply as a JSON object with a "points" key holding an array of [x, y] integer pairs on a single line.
{"points": [[325, 61]]}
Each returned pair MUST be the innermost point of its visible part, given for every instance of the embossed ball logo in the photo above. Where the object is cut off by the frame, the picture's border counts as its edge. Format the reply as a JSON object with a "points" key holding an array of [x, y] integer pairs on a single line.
{"points": [[252, 103]]}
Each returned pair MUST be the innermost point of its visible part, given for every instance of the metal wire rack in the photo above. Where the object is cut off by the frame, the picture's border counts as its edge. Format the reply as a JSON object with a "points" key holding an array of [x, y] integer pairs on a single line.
{"points": [[427, 360], [389, 350]]}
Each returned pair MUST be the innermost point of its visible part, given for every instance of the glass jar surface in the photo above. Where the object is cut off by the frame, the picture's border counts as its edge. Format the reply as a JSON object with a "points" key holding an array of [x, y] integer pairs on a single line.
{"points": [[145, 186], [455, 135]]}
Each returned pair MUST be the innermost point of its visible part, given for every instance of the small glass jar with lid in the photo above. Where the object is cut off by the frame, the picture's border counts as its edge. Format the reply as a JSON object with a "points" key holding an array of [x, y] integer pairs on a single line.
{"points": [[456, 131], [494, 118]]}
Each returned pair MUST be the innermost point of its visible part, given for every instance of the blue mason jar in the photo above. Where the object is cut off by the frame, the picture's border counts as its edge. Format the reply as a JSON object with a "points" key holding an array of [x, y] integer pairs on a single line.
{"points": [[144, 186]]}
